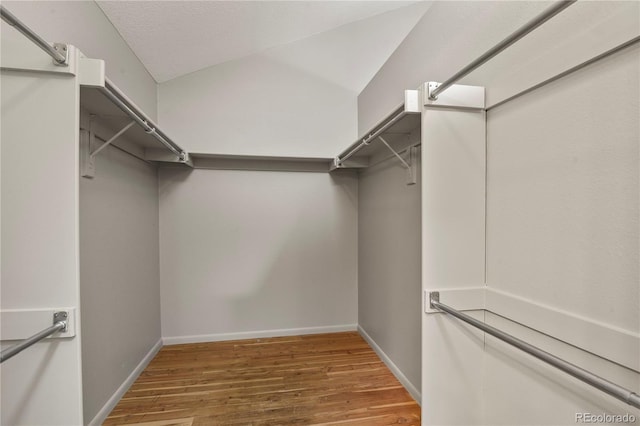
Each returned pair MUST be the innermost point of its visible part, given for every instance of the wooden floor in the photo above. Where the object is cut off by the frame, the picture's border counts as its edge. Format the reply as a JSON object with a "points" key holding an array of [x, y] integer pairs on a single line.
{"points": [[302, 380]]}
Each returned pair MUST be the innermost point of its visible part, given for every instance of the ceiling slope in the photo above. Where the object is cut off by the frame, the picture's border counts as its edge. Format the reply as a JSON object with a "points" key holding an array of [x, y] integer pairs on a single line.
{"points": [[174, 38]]}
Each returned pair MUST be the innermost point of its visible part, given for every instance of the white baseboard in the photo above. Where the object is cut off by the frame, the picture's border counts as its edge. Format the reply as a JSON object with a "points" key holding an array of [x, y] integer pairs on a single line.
{"points": [[415, 393], [201, 338], [115, 398]]}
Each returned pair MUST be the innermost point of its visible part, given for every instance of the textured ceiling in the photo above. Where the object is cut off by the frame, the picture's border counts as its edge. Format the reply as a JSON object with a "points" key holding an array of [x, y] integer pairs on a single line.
{"points": [[174, 38]]}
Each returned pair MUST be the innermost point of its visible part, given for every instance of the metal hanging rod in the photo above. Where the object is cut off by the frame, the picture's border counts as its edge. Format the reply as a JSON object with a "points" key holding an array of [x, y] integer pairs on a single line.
{"points": [[588, 62], [367, 140], [117, 97], [534, 23], [588, 377], [410, 106], [59, 324], [59, 51]]}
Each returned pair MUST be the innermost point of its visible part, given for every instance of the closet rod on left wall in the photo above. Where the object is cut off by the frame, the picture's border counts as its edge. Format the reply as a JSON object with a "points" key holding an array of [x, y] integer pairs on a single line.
{"points": [[59, 52], [60, 323], [120, 99]]}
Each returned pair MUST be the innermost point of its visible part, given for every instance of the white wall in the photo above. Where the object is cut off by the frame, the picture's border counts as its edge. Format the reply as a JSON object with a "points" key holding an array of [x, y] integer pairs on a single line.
{"points": [[256, 253], [268, 251], [389, 281], [107, 364], [39, 266], [84, 25], [258, 105], [447, 37], [567, 167], [453, 237], [294, 100], [450, 35], [119, 273], [563, 231]]}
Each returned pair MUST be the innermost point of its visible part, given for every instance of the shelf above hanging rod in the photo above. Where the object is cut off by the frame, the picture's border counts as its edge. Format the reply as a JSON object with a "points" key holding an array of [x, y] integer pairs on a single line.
{"points": [[403, 121], [129, 108], [114, 110], [113, 103], [604, 385]]}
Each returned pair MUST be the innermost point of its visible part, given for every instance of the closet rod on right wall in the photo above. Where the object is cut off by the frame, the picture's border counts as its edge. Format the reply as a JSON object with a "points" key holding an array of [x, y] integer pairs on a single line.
{"points": [[579, 373], [534, 23]]}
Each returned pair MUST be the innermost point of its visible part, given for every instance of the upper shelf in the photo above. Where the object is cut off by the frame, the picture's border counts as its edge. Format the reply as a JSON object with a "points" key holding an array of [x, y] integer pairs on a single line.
{"points": [[101, 98], [258, 162], [400, 129], [93, 101]]}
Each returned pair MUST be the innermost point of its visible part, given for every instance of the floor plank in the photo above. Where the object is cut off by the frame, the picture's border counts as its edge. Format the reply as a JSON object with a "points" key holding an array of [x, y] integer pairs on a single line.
{"points": [[321, 379]]}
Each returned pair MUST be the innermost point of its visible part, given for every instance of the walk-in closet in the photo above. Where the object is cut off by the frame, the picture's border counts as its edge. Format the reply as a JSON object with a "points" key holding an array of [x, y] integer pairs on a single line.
{"points": [[320, 212]]}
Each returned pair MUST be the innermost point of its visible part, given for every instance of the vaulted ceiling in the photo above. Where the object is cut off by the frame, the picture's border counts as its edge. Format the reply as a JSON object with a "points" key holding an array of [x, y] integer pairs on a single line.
{"points": [[174, 38]]}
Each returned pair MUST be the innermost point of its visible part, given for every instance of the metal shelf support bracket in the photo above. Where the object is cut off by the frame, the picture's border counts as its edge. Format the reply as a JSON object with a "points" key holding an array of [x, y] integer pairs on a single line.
{"points": [[112, 139], [409, 166], [87, 142]]}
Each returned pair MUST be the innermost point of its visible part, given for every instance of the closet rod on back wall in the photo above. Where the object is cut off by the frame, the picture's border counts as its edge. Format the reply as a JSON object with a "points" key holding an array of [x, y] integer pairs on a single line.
{"points": [[534, 23], [579, 373]]}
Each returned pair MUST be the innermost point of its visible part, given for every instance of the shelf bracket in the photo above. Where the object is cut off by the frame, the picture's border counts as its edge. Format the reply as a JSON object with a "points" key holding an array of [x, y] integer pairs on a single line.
{"points": [[112, 139], [87, 165], [87, 142], [63, 50], [409, 166], [412, 175]]}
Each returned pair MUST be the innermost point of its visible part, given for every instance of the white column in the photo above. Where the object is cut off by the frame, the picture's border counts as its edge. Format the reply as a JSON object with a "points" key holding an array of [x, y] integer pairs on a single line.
{"points": [[453, 251]]}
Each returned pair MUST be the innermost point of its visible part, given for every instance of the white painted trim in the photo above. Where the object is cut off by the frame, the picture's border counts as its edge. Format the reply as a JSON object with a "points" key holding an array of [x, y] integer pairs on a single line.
{"points": [[415, 393], [456, 96], [91, 72], [17, 324], [21, 54], [463, 299], [124, 387], [201, 338], [607, 341]]}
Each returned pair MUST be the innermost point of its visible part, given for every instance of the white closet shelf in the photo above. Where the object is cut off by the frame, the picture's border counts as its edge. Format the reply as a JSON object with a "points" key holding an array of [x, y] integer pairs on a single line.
{"points": [[109, 119], [400, 130], [111, 111], [106, 112], [260, 162]]}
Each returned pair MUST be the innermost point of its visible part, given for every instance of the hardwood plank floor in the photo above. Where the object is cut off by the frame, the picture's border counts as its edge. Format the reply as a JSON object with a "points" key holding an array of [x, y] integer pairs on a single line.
{"points": [[321, 379]]}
